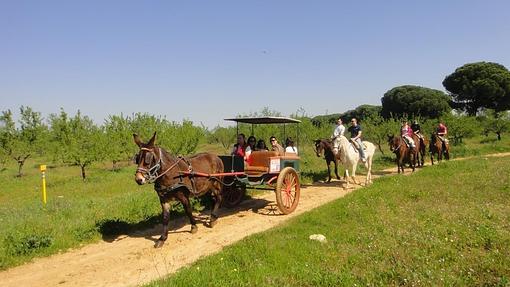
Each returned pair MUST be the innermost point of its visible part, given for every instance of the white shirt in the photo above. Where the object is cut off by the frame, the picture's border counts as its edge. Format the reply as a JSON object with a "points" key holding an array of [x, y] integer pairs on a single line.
{"points": [[339, 131], [291, 149]]}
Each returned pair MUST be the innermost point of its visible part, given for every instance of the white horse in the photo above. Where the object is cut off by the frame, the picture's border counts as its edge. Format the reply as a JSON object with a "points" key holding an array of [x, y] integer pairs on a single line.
{"points": [[350, 158]]}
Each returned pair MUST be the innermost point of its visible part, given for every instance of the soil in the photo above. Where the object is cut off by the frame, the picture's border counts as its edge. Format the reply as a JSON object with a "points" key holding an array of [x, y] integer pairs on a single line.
{"points": [[131, 260]]}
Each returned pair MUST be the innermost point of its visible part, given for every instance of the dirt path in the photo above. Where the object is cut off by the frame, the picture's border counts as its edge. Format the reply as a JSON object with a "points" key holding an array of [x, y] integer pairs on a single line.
{"points": [[131, 260]]}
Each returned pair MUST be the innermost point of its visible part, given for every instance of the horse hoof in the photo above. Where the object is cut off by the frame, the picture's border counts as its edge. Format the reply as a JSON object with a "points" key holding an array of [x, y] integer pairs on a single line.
{"points": [[212, 223], [159, 244], [194, 229]]}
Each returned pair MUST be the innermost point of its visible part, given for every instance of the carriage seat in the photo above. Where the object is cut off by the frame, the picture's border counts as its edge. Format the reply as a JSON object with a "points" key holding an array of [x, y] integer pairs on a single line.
{"points": [[259, 162]]}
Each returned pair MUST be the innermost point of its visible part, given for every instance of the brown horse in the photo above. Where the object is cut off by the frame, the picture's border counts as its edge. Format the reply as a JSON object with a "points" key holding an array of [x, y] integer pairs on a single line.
{"points": [[421, 145], [173, 178], [438, 147], [403, 152], [326, 146]]}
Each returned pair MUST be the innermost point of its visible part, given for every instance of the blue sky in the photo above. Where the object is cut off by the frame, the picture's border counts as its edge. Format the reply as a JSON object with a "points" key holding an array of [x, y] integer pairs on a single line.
{"points": [[209, 60]]}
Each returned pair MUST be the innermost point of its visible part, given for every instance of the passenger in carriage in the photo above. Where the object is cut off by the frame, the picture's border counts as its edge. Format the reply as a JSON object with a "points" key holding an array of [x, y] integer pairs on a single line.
{"points": [[240, 147], [261, 145], [249, 148], [275, 146], [289, 146]]}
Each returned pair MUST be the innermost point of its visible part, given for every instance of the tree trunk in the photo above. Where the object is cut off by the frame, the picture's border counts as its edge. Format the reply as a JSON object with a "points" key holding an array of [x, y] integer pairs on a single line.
{"points": [[83, 171], [380, 148], [21, 163], [499, 135]]}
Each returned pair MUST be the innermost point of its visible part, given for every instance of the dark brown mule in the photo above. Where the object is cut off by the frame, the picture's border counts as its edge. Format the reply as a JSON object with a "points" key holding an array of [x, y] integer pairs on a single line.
{"points": [[326, 146], [438, 147], [403, 152], [173, 179]]}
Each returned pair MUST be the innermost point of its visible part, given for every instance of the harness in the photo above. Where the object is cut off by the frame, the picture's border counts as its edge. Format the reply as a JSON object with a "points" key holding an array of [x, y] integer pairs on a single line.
{"points": [[152, 174]]}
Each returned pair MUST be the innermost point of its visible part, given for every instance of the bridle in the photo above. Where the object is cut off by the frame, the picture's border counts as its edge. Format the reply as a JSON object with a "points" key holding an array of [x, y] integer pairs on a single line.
{"points": [[397, 148], [151, 174]]}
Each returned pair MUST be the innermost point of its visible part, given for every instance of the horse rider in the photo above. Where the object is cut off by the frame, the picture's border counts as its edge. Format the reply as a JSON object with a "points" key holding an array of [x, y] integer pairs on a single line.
{"points": [[441, 132], [416, 129], [337, 132], [356, 131], [406, 132]]}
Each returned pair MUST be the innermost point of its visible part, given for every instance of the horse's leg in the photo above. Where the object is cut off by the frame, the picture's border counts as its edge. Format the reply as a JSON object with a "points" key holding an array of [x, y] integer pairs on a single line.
{"points": [[165, 207], [217, 202], [346, 177], [329, 171], [336, 169], [184, 199], [354, 166], [368, 179]]}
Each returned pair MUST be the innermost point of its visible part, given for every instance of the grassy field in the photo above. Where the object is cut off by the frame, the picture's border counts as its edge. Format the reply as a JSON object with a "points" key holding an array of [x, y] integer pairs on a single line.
{"points": [[446, 225], [109, 202]]}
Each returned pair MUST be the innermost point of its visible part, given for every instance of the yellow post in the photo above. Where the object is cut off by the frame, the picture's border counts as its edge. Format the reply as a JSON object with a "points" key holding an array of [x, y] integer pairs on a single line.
{"points": [[42, 168]]}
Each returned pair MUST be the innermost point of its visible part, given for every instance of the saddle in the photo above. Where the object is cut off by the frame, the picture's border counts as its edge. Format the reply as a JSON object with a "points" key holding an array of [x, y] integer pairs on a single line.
{"points": [[356, 147]]}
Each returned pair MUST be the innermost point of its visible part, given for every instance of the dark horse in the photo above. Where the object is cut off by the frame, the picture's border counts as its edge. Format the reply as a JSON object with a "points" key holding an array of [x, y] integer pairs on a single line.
{"points": [[173, 179], [326, 146], [437, 146], [403, 152], [421, 146]]}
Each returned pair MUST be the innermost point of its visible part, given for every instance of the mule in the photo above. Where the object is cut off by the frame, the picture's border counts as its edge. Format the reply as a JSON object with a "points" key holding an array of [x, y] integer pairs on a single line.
{"points": [[404, 153], [349, 156], [438, 147], [325, 146], [173, 179]]}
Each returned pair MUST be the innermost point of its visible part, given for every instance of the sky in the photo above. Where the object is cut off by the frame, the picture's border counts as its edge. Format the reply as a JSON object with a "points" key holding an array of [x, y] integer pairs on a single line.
{"points": [[205, 61]]}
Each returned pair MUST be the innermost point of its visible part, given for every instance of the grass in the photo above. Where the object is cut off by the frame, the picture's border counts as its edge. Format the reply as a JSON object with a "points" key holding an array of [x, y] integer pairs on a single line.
{"points": [[402, 230]]}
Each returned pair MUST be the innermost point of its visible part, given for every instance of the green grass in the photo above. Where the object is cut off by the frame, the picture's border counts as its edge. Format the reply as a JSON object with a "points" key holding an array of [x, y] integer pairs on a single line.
{"points": [[445, 225], [77, 211]]}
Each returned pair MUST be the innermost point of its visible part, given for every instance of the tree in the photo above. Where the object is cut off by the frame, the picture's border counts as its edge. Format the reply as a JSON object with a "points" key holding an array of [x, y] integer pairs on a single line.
{"points": [[410, 100], [479, 85], [460, 127], [120, 140], [77, 140], [223, 136], [361, 113], [377, 129], [497, 123], [20, 144]]}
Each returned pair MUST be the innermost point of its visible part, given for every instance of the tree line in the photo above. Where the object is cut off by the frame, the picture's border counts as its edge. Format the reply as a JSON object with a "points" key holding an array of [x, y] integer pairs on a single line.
{"points": [[478, 92]]}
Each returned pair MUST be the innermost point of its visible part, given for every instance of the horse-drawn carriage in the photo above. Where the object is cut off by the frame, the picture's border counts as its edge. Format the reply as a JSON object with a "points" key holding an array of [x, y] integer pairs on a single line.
{"points": [[226, 177], [267, 168]]}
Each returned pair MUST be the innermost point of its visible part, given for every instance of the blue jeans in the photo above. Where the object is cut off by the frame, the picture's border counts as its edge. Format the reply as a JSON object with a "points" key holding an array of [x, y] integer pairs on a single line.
{"points": [[360, 145]]}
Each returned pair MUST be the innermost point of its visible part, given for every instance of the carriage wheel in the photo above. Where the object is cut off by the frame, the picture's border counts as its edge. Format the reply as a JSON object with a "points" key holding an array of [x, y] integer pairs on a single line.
{"points": [[287, 190], [234, 194]]}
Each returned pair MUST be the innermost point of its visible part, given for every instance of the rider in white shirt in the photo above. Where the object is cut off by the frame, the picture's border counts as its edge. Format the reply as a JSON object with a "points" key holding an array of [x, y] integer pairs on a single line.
{"points": [[337, 132]]}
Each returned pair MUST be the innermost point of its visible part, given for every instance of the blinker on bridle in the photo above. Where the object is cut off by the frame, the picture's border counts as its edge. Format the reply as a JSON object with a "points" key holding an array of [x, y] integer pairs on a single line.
{"points": [[151, 173]]}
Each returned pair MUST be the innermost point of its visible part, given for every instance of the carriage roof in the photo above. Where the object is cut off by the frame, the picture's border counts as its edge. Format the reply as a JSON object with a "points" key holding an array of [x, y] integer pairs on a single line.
{"points": [[265, 120]]}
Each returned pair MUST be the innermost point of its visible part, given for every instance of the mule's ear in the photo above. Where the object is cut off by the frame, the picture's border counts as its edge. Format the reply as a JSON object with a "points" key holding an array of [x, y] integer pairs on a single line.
{"points": [[152, 140], [138, 141]]}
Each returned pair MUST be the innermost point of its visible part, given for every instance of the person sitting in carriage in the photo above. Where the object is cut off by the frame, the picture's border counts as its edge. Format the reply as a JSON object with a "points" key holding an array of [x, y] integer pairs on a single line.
{"points": [[289, 146], [240, 147], [407, 133], [416, 129], [337, 132], [261, 145], [356, 131], [441, 132], [250, 147]]}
